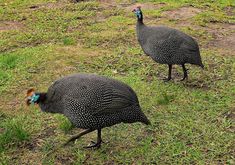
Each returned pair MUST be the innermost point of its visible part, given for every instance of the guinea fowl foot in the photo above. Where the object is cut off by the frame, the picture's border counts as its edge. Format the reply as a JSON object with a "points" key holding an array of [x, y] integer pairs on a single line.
{"points": [[169, 74], [167, 79], [73, 138], [94, 144], [185, 77], [185, 73]]}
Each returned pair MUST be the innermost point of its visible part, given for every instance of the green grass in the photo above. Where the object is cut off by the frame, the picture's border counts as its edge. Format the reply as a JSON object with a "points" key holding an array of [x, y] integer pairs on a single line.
{"points": [[4, 160], [64, 124], [14, 132], [213, 17], [4, 77], [69, 41], [8, 61], [191, 121]]}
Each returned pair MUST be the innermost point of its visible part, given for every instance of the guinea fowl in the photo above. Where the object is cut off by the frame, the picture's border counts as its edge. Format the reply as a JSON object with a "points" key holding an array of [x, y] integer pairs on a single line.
{"points": [[167, 45], [90, 102]]}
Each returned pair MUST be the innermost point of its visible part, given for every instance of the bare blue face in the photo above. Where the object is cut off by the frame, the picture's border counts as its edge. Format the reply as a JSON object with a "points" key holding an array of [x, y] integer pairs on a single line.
{"points": [[137, 12], [33, 99]]}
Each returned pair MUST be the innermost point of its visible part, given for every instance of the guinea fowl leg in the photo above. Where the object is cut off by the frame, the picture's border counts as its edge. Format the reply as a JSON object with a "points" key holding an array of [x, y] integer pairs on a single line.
{"points": [[73, 138], [99, 140], [185, 73], [169, 74]]}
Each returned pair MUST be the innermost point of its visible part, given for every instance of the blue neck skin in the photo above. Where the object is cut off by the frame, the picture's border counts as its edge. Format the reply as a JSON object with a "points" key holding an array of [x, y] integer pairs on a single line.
{"points": [[34, 98], [139, 15]]}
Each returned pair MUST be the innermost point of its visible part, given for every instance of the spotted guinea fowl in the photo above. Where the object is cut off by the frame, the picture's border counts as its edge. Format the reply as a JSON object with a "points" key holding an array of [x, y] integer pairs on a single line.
{"points": [[90, 102], [167, 45]]}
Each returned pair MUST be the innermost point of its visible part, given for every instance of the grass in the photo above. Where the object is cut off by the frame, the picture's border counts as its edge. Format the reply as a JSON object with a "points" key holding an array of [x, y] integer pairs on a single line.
{"points": [[14, 132], [210, 16], [192, 122], [64, 124], [68, 41]]}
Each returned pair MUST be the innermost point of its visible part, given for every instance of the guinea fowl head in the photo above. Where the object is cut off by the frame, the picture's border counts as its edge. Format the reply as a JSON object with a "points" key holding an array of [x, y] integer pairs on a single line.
{"points": [[138, 13], [32, 97]]}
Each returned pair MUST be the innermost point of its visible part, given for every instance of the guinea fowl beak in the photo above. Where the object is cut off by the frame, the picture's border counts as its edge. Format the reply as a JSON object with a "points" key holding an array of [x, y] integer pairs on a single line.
{"points": [[28, 99], [27, 102]]}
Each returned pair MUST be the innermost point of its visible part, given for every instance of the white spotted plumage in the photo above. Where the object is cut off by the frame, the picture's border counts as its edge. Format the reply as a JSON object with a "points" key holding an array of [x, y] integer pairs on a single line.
{"points": [[92, 101]]}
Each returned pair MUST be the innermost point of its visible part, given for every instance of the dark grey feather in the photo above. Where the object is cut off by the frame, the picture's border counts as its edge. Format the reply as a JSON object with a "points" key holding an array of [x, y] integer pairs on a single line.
{"points": [[91, 101], [167, 45]]}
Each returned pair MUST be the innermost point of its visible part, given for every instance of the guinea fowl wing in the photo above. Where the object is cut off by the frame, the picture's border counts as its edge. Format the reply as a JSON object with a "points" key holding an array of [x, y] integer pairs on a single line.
{"points": [[165, 47], [99, 99], [119, 101]]}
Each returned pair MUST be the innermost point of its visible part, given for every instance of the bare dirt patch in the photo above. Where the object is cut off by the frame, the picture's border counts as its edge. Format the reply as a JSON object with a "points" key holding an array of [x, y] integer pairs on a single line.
{"points": [[108, 3], [129, 6], [227, 42], [64, 159], [10, 25], [219, 30], [230, 114], [196, 84], [182, 13], [2, 130], [79, 50], [48, 5], [230, 10], [224, 37], [53, 5], [144, 6]]}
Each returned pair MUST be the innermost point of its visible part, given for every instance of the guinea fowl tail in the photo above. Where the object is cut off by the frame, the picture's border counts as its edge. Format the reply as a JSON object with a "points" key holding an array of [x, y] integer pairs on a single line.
{"points": [[146, 121], [142, 117], [202, 66], [199, 63]]}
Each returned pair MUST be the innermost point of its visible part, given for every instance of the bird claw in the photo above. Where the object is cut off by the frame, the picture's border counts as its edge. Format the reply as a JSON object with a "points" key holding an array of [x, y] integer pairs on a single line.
{"points": [[184, 78], [167, 79], [94, 145]]}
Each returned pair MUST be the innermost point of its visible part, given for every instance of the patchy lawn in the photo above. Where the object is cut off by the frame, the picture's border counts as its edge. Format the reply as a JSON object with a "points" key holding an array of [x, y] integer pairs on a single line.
{"points": [[192, 121]]}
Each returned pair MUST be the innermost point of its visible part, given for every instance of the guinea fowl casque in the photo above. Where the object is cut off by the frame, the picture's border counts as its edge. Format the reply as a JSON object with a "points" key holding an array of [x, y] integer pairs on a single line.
{"points": [[167, 45], [90, 102]]}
